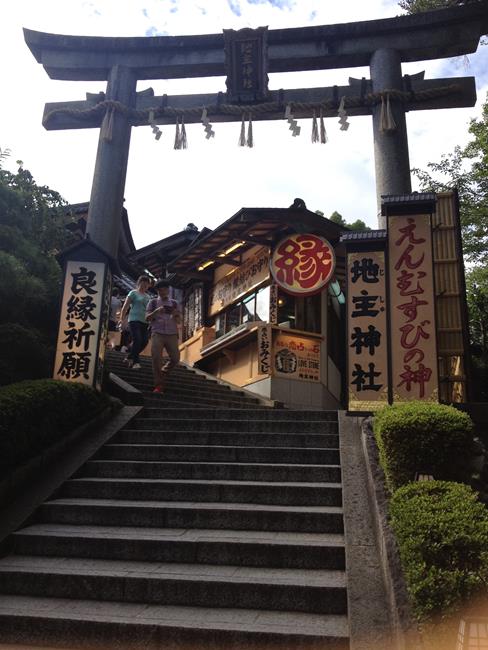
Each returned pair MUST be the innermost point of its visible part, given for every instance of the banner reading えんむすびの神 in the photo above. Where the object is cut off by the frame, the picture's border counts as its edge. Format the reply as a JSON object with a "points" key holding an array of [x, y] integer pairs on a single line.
{"points": [[414, 372]]}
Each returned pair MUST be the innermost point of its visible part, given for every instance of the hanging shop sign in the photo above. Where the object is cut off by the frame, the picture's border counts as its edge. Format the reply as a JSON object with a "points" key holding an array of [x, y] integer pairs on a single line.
{"points": [[412, 309], [296, 357], [84, 310], [238, 282], [273, 303], [303, 264], [264, 350], [367, 347]]}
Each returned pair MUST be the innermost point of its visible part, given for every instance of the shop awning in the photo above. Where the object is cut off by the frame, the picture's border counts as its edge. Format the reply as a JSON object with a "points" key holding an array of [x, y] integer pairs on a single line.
{"points": [[247, 228]]}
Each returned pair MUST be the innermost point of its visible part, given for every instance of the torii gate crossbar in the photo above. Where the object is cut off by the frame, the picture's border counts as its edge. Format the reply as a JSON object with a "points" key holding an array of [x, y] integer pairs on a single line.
{"points": [[380, 44]]}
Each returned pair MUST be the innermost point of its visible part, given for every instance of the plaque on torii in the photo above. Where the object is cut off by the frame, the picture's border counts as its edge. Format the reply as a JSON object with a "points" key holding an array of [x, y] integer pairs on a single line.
{"points": [[246, 57]]}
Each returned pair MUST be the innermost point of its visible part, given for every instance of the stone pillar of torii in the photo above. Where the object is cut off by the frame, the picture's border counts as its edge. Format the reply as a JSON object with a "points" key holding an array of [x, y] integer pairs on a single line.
{"points": [[246, 57]]}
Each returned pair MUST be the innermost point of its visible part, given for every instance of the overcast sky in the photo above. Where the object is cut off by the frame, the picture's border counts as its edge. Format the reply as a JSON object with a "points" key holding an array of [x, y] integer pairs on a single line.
{"points": [[211, 180]]}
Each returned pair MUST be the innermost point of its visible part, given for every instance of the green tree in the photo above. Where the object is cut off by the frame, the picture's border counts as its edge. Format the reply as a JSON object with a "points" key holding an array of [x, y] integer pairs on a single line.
{"points": [[32, 231], [477, 296], [466, 169], [359, 224], [336, 217], [416, 6]]}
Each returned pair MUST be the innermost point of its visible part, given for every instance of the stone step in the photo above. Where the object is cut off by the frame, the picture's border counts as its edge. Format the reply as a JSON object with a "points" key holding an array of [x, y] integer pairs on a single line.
{"points": [[173, 383], [230, 438], [115, 364], [176, 391], [219, 454], [262, 472], [210, 490], [216, 515], [125, 626], [210, 471], [244, 548], [192, 413], [160, 400], [146, 370], [195, 585], [175, 378], [270, 426]]}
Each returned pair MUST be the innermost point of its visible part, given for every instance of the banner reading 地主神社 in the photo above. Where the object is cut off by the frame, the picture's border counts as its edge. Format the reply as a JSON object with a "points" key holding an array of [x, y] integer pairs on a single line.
{"points": [[411, 298], [367, 343]]}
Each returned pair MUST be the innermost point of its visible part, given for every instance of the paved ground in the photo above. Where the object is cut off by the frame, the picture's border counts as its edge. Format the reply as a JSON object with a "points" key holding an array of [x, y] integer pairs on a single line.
{"points": [[368, 613]]}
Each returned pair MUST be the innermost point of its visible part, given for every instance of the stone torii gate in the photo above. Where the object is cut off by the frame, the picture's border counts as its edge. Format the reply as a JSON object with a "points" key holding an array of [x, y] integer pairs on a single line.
{"points": [[246, 57]]}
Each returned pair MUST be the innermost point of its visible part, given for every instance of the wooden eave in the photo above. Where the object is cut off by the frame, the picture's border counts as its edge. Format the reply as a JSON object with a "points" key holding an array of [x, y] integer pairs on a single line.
{"points": [[267, 225], [154, 256]]}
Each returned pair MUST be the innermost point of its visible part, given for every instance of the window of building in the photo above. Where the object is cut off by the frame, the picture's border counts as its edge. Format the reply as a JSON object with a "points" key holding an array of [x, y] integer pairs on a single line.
{"points": [[301, 313], [262, 304], [192, 311], [254, 307]]}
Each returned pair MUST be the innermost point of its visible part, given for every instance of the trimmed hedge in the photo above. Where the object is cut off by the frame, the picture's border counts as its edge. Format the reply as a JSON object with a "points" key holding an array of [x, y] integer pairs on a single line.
{"points": [[24, 354], [423, 437], [35, 414], [442, 534]]}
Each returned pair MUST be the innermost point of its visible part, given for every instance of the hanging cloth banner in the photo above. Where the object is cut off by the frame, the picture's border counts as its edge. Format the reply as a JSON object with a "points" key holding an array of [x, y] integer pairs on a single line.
{"points": [[183, 138], [243, 140], [108, 125], [342, 113], [242, 136], [177, 144], [315, 128], [323, 134], [294, 128], [387, 121], [250, 142]]}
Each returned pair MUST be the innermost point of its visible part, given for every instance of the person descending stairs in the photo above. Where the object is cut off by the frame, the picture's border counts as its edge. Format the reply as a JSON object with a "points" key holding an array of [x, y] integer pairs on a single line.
{"points": [[209, 521]]}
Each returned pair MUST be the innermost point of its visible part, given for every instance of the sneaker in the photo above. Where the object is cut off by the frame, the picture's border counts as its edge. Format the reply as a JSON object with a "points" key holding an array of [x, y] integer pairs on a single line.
{"points": [[136, 366], [158, 389]]}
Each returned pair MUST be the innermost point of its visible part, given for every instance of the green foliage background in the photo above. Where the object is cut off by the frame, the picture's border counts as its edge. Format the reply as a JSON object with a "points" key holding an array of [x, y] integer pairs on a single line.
{"points": [[32, 232]]}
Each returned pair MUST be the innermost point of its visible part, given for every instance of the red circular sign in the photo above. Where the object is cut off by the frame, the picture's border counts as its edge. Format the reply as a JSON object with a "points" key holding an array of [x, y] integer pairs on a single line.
{"points": [[302, 265]]}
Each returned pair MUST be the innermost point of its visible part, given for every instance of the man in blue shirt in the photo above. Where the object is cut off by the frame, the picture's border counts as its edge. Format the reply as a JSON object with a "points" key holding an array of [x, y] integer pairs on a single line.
{"points": [[164, 317]]}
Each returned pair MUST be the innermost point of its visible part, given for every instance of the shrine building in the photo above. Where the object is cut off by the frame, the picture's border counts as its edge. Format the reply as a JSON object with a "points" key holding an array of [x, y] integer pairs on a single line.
{"points": [[289, 305]]}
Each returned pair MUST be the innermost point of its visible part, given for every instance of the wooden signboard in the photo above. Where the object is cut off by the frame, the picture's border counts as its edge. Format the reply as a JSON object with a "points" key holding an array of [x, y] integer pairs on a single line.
{"points": [[367, 347], [296, 357], [240, 281], [412, 309], [264, 350], [82, 327], [303, 264]]}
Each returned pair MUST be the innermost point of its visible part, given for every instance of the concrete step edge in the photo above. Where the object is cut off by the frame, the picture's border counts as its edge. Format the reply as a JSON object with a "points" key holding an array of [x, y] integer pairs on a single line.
{"points": [[288, 626]]}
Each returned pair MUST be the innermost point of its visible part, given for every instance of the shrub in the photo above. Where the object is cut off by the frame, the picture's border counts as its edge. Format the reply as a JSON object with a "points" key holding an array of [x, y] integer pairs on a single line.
{"points": [[442, 534], [24, 354], [35, 414], [423, 437]]}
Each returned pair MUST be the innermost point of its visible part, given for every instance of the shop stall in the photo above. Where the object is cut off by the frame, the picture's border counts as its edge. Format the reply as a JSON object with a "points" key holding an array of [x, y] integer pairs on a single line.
{"points": [[263, 304]]}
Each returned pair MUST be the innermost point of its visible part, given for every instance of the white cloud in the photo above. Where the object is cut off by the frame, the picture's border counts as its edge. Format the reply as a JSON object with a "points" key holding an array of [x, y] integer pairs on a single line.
{"points": [[211, 180]]}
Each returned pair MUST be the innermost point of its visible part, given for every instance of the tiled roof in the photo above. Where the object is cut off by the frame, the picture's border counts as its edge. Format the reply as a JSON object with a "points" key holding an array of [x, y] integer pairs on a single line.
{"points": [[414, 197], [363, 235]]}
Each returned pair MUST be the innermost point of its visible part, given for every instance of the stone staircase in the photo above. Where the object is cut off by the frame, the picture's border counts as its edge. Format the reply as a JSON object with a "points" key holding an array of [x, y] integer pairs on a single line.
{"points": [[209, 521]]}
